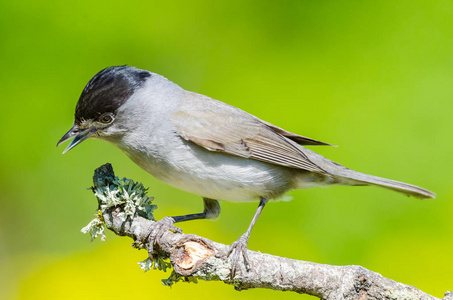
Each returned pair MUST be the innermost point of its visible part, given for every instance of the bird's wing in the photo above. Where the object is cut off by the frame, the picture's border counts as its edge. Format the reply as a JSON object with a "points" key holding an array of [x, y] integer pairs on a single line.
{"points": [[220, 127], [301, 140]]}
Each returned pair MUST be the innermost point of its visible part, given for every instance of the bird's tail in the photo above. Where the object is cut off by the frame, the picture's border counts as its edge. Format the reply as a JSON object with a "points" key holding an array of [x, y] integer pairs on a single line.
{"points": [[347, 176], [357, 178]]}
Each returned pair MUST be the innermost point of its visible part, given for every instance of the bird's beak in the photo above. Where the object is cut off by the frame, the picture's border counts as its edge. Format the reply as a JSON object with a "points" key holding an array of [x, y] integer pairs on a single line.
{"points": [[80, 136]]}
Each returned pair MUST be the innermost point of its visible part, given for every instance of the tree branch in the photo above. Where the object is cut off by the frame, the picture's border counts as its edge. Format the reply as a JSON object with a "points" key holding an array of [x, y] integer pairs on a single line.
{"points": [[193, 257]]}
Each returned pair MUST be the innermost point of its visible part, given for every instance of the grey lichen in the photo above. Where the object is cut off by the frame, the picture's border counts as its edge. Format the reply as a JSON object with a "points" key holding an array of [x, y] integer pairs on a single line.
{"points": [[96, 227], [126, 192], [175, 277], [448, 296], [158, 262], [162, 263], [215, 269], [132, 197]]}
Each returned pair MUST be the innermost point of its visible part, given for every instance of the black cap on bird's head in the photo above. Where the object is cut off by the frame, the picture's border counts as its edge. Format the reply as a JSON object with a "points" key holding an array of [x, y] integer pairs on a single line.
{"points": [[100, 100]]}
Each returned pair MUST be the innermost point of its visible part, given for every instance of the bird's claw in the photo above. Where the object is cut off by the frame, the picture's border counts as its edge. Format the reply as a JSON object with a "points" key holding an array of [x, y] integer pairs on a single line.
{"points": [[237, 249], [157, 230]]}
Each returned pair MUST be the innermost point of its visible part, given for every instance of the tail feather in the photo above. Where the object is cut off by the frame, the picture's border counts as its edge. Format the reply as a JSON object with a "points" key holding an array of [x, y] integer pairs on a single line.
{"points": [[350, 177], [397, 186]]}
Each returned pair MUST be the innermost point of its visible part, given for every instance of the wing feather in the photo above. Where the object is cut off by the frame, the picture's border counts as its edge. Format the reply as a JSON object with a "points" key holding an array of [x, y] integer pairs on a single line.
{"points": [[301, 140], [217, 126]]}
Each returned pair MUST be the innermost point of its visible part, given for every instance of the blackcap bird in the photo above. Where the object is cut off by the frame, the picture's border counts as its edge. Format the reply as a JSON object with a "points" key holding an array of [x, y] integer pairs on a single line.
{"points": [[205, 147]]}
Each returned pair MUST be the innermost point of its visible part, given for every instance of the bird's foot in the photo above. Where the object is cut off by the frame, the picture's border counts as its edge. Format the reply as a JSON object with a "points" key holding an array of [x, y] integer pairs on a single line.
{"points": [[237, 249], [157, 230]]}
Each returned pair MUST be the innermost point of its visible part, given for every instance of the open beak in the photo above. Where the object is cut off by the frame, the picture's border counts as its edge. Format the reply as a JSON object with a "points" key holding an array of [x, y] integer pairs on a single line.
{"points": [[80, 136]]}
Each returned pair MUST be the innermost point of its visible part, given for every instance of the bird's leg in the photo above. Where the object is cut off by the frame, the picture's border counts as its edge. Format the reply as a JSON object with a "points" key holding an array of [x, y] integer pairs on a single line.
{"points": [[155, 232], [239, 247]]}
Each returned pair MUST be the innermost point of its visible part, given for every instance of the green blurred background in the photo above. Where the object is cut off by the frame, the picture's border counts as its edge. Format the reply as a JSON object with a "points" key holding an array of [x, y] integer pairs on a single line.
{"points": [[375, 78]]}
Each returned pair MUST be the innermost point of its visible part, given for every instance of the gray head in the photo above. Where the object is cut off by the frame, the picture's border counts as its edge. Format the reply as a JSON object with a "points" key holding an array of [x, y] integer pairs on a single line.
{"points": [[100, 100]]}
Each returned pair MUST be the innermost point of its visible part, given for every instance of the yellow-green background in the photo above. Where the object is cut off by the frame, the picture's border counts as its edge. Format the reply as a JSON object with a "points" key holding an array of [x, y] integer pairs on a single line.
{"points": [[375, 77]]}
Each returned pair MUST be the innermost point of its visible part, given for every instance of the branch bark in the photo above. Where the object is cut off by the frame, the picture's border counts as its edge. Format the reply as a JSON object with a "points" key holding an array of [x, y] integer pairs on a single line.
{"points": [[196, 257]]}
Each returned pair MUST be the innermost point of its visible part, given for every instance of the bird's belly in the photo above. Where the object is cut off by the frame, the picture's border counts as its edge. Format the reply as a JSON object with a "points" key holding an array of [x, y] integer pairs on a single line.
{"points": [[216, 175], [215, 187]]}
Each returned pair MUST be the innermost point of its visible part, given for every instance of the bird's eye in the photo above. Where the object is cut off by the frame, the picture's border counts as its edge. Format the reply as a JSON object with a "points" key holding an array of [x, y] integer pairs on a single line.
{"points": [[106, 118]]}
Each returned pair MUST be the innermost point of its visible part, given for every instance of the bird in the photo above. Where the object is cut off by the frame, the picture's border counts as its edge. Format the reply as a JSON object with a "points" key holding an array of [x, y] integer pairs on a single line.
{"points": [[205, 147]]}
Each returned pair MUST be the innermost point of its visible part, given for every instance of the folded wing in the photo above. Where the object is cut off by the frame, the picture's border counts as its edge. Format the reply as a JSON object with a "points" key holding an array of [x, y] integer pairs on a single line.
{"points": [[220, 127]]}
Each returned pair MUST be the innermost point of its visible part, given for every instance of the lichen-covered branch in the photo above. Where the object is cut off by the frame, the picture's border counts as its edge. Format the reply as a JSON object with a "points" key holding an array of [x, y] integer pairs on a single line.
{"points": [[193, 257]]}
